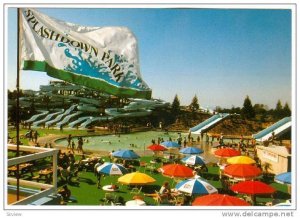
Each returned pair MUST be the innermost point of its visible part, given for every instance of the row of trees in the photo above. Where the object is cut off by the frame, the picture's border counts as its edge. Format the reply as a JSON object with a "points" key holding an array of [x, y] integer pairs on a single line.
{"points": [[248, 111]]}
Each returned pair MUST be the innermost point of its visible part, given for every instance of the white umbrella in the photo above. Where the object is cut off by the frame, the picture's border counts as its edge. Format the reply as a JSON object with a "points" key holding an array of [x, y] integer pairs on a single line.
{"points": [[136, 202]]}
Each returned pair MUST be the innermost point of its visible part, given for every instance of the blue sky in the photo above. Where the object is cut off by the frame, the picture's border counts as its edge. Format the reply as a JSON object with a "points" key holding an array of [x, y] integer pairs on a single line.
{"points": [[221, 55]]}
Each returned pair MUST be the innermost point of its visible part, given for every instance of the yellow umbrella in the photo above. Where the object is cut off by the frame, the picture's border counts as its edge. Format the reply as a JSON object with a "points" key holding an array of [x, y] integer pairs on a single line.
{"points": [[240, 160], [136, 178]]}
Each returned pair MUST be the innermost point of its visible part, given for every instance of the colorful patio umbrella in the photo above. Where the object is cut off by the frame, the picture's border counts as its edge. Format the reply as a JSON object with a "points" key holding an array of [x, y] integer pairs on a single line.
{"points": [[227, 152], [191, 150], [136, 178], [195, 186], [111, 169], [240, 160], [125, 154], [193, 160], [155, 147], [242, 171], [252, 188], [219, 200], [177, 170], [170, 144], [283, 178]]}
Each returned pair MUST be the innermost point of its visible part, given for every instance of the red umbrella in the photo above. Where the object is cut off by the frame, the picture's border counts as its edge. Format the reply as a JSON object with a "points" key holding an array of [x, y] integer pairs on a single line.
{"points": [[156, 147], [252, 188], [227, 152], [242, 171], [177, 170], [219, 200]]}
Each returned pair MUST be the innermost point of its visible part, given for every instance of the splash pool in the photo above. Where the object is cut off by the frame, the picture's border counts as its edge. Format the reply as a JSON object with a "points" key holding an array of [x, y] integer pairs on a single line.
{"points": [[135, 141]]}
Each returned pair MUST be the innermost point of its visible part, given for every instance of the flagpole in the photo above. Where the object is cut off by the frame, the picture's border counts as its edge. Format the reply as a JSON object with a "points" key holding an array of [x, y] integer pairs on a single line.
{"points": [[18, 102]]}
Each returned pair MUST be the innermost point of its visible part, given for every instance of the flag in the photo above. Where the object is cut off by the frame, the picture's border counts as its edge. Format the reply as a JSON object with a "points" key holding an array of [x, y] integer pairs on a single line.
{"points": [[101, 58]]}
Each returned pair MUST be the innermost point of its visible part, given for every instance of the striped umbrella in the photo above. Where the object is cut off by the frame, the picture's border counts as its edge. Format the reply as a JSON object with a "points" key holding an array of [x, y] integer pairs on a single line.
{"points": [[111, 169], [195, 186], [194, 160]]}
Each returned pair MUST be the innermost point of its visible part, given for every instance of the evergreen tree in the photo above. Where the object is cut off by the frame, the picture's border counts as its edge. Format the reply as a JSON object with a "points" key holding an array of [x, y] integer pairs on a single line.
{"points": [[286, 110], [248, 110], [175, 108], [278, 106], [194, 106]]}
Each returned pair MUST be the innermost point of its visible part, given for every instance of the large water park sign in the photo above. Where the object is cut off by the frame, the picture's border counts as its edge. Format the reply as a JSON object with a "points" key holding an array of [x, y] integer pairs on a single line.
{"points": [[102, 58]]}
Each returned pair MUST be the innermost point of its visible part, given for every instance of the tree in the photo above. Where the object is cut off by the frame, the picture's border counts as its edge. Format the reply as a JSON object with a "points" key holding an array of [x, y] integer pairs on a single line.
{"points": [[175, 108], [286, 110], [194, 106], [248, 110]]}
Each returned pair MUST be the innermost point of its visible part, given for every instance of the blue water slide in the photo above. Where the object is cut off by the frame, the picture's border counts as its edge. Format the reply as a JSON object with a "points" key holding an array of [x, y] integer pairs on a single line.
{"points": [[61, 116], [68, 118], [88, 108], [92, 120], [116, 112], [78, 121], [201, 127], [37, 116], [278, 128], [48, 117]]}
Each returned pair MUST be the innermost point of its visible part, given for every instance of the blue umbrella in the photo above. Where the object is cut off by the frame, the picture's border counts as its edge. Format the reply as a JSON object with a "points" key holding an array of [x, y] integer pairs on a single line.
{"points": [[191, 150], [111, 169], [193, 160], [195, 186], [284, 178], [125, 154], [170, 144]]}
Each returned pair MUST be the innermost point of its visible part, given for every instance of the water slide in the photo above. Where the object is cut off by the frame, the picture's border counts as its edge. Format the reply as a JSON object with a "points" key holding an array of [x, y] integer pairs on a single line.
{"points": [[78, 121], [37, 116], [87, 108], [48, 117], [117, 112], [68, 118], [210, 122], [61, 116], [93, 120], [137, 103], [279, 128]]}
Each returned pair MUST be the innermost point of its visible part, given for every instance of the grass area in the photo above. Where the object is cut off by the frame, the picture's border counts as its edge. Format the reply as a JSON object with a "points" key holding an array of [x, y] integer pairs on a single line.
{"points": [[86, 192]]}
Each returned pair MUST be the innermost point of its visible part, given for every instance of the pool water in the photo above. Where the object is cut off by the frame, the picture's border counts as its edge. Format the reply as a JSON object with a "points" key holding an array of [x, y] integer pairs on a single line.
{"points": [[134, 141]]}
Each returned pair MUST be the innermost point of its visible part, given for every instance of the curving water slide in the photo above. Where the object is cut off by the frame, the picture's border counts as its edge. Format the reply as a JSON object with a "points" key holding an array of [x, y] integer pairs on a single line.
{"points": [[37, 116], [279, 128], [61, 116], [68, 118], [48, 117], [210, 122], [93, 120], [78, 121]]}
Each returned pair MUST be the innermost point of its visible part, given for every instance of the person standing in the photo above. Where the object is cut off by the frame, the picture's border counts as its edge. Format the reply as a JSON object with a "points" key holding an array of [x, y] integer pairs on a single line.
{"points": [[69, 141]]}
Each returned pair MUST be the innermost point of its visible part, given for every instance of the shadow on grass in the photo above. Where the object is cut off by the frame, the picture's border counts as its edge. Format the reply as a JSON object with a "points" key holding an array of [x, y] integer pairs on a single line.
{"points": [[86, 180], [282, 195]]}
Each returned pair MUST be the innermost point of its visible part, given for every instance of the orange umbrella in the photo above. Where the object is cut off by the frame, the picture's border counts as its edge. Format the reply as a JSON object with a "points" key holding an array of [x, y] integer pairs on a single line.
{"points": [[155, 147], [242, 171], [252, 188], [227, 152], [177, 170], [219, 200]]}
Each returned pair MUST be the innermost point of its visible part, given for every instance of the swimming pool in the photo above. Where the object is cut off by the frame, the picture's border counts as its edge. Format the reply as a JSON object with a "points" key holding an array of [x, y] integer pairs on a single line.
{"points": [[135, 141]]}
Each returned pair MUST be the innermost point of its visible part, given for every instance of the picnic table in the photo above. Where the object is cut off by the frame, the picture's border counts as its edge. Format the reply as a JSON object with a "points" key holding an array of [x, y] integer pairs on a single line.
{"points": [[23, 168], [45, 174]]}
